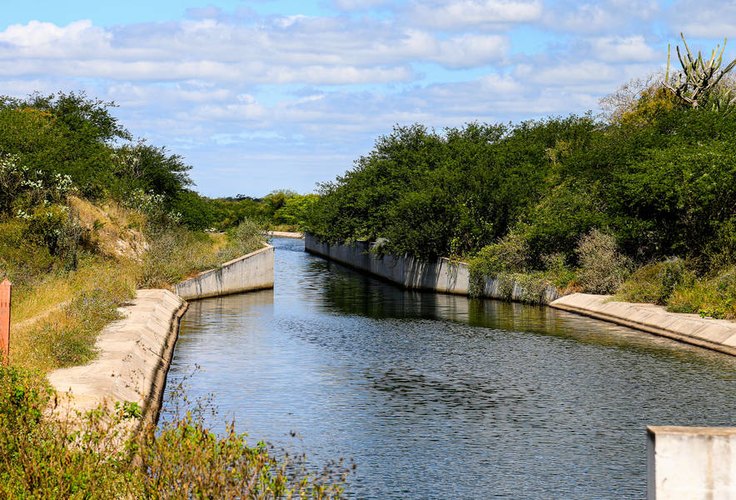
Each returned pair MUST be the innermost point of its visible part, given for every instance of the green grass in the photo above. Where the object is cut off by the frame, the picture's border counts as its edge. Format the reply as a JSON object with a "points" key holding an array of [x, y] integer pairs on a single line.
{"points": [[93, 456]]}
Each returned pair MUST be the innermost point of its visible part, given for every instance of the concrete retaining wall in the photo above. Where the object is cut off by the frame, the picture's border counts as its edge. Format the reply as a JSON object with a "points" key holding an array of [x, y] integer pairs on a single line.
{"points": [[247, 273], [133, 359], [443, 275], [691, 463], [718, 335]]}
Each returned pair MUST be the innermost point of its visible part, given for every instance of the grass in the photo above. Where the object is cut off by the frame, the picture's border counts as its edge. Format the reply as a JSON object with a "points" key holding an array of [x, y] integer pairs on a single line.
{"points": [[713, 297], [176, 254], [91, 455], [57, 314]]}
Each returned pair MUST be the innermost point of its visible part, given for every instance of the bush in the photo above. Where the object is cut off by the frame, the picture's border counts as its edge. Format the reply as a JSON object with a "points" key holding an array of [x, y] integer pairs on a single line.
{"points": [[508, 254], [602, 269], [247, 237], [176, 253], [655, 283], [714, 297], [72, 455]]}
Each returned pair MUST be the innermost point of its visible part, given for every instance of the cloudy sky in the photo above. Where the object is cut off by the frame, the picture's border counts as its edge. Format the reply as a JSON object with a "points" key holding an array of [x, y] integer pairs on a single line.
{"points": [[266, 94]]}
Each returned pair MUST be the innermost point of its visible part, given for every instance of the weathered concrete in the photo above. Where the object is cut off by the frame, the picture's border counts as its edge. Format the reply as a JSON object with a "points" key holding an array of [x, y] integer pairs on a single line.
{"points": [[247, 273], [133, 359], [443, 275], [719, 335], [286, 234], [691, 463]]}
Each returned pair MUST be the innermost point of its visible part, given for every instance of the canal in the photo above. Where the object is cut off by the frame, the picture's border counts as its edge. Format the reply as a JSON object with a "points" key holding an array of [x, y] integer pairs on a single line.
{"points": [[438, 396]]}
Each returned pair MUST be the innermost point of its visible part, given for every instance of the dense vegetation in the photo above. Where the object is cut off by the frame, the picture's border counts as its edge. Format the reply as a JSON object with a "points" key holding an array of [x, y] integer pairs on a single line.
{"points": [[580, 201], [87, 215], [89, 456]]}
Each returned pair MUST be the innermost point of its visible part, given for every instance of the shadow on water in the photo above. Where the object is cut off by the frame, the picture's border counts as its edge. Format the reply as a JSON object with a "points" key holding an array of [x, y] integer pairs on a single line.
{"points": [[438, 396], [351, 292]]}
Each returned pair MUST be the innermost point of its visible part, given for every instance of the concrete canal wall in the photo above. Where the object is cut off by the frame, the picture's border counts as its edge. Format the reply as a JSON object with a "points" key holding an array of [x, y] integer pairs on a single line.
{"points": [[718, 335], [250, 272], [443, 275], [691, 463], [133, 359], [134, 353]]}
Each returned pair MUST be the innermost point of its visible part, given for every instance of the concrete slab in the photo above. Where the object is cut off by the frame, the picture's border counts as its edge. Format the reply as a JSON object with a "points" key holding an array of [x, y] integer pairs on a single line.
{"points": [[718, 335], [134, 357]]}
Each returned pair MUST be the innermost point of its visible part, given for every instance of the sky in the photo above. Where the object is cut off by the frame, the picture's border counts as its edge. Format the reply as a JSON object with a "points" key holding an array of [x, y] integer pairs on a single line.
{"points": [[282, 94]]}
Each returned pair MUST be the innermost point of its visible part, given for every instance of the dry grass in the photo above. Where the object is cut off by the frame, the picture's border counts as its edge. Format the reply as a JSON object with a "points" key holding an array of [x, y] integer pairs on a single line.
{"points": [[56, 323]]}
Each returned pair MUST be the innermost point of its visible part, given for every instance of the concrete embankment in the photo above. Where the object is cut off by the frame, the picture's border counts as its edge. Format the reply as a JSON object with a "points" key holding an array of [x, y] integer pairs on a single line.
{"points": [[442, 275], [286, 234], [134, 354], [718, 335], [250, 272]]}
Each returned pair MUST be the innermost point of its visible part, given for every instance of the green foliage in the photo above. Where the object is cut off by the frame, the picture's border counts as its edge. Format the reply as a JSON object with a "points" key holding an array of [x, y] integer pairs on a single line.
{"points": [[602, 268], [70, 338], [660, 177], [176, 253], [149, 169], [67, 134], [70, 136], [509, 254], [241, 240], [433, 194], [714, 297], [92, 455], [293, 212], [655, 282]]}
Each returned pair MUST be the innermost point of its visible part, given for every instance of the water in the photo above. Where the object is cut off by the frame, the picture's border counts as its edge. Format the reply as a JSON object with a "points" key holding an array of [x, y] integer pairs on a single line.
{"points": [[436, 396]]}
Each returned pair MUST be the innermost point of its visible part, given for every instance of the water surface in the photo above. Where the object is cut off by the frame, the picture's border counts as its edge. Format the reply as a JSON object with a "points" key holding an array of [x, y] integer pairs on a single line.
{"points": [[437, 396]]}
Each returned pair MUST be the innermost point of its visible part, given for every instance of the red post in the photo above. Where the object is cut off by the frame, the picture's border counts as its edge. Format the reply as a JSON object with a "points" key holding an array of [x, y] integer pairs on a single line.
{"points": [[5, 293]]}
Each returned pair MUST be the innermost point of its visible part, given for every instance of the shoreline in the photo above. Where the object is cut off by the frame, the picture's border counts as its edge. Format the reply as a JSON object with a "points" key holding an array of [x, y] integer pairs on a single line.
{"points": [[135, 354], [285, 234], [714, 334], [444, 276]]}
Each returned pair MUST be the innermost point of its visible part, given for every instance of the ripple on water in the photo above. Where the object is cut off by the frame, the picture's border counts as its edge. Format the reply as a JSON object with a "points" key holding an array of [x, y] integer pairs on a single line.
{"points": [[435, 396]]}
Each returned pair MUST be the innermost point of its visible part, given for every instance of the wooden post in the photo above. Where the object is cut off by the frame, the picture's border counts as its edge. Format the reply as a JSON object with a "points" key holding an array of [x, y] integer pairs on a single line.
{"points": [[5, 293]]}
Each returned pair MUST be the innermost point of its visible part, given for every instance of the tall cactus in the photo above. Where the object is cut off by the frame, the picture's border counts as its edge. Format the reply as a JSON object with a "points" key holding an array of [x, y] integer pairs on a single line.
{"points": [[698, 78]]}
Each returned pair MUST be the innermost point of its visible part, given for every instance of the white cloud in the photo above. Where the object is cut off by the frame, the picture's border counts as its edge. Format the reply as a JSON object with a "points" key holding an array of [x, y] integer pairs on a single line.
{"points": [[259, 94], [706, 18], [600, 16], [624, 49], [459, 14], [350, 5]]}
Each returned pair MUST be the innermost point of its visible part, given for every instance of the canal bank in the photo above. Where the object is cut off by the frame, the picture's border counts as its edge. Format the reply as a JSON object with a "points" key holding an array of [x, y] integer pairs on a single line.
{"points": [[447, 276], [135, 352], [443, 275], [714, 334]]}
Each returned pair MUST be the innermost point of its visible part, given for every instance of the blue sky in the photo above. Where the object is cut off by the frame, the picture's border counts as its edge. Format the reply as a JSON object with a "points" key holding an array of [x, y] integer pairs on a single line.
{"points": [[262, 95]]}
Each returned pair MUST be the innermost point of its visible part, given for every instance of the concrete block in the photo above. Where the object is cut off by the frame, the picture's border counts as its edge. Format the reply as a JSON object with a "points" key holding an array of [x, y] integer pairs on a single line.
{"points": [[691, 463]]}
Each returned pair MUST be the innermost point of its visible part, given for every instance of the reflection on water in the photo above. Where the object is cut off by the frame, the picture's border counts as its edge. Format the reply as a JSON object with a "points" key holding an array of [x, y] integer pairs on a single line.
{"points": [[436, 396]]}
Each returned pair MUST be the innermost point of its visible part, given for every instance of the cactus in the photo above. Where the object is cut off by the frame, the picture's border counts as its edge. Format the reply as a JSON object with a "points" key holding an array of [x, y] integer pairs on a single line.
{"points": [[698, 78]]}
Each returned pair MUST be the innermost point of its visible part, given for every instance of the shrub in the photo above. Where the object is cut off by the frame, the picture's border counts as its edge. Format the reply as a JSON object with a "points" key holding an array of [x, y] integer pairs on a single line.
{"points": [[247, 237], [714, 297], [508, 254], [655, 282], [602, 268], [73, 455]]}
